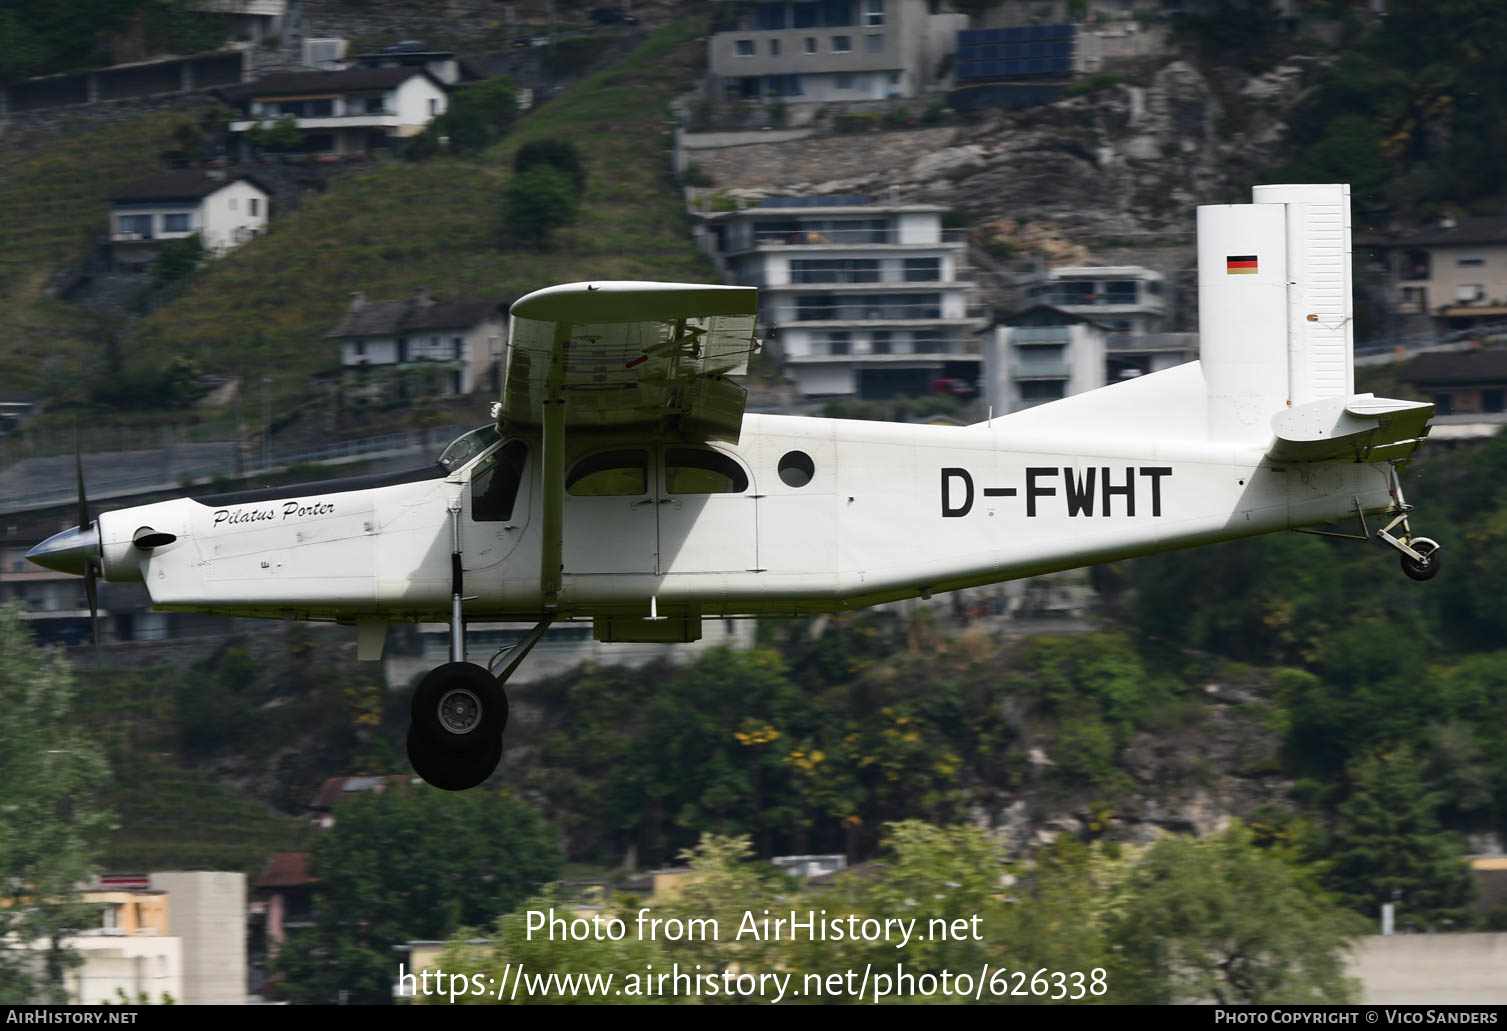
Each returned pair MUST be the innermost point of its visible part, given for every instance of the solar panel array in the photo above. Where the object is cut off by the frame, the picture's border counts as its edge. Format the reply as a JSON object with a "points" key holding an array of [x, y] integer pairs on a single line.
{"points": [[1013, 53]]}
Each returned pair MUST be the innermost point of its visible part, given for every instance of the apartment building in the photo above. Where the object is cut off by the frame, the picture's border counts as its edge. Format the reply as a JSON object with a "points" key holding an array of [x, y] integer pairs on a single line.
{"points": [[857, 299], [1132, 303], [832, 50]]}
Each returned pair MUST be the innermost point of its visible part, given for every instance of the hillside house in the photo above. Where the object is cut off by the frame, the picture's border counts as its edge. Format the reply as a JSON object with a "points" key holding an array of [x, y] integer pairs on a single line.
{"points": [[1455, 273], [224, 210], [355, 111], [835, 50], [453, 345]]}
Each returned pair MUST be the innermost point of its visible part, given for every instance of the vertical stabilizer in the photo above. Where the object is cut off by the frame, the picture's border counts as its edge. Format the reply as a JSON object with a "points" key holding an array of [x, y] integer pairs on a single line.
{"points": [[1320, 334], [1274, 305]]}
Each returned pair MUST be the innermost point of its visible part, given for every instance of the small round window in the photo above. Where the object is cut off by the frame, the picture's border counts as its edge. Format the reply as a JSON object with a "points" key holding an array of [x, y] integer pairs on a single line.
{"points": [[796, 468]]}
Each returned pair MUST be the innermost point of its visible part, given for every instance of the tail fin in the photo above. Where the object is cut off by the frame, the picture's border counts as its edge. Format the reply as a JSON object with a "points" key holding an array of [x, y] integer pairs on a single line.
{"points": [[1274, 305]]}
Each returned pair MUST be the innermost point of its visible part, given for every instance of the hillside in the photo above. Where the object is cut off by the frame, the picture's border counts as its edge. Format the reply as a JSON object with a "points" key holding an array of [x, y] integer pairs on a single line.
{"points": [[438, 225], [53, 185]]}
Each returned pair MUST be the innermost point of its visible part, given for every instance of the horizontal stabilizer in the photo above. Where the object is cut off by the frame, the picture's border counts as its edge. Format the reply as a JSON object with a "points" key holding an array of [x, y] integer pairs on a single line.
{"points": [[1362, 428]]}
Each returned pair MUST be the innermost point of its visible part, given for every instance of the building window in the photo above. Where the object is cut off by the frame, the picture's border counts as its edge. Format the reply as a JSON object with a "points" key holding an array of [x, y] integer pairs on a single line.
{"points": [[1041, 389], [434, 106], [874, 43], [175, 223], [845, 82], [842, 44], [774, 48], [873, 13], [231, 201], [1120, 292], [141, 225], [881, 341], [253, 205], [922, 270], [837, 343], [1471, 262], [746, 48], [770, 16], [810, 44], [360, 348]]}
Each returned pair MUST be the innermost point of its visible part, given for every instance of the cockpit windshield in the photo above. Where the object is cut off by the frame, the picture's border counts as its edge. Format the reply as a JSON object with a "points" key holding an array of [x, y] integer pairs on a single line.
{"points": [[467, 446]]}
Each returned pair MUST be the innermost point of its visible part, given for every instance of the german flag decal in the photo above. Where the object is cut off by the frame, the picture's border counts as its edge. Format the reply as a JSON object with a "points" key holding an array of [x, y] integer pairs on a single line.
{"points": [[1240, 264]]}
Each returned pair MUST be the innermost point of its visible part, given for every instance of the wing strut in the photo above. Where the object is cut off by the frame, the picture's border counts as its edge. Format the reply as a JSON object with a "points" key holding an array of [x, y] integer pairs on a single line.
{"points": [[553, 477]]}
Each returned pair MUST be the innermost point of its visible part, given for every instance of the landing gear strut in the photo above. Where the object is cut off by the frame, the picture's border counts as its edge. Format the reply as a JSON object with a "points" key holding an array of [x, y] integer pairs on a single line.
{"points": [[1420, 555], [460, 709]]}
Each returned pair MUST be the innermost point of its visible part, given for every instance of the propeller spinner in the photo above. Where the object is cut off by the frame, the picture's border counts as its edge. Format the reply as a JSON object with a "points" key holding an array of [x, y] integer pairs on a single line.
{"points": [[76, 550]]}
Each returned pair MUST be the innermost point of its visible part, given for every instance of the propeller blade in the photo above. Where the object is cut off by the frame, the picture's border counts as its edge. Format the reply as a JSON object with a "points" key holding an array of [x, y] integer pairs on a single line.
{"points": [[78, 469], [91, 566]]}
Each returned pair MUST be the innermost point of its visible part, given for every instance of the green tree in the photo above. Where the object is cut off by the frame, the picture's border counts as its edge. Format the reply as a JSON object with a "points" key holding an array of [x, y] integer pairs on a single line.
{"points": [[177, 259], [281, 135], [409, 864], [514, 947], [561, 155], [51, 775], [537, 202], [1389, 847], [1218, 919], [478, 115]]}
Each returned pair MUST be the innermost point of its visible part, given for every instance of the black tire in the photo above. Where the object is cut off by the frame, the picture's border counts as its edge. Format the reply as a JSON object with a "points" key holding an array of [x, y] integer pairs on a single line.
{"points": [[460, 707], [1416, 570], [451, 771]]}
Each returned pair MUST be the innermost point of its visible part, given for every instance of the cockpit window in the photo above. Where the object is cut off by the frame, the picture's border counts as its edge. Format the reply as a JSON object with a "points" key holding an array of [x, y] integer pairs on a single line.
{"points": [[494, 482], [466, 447]]}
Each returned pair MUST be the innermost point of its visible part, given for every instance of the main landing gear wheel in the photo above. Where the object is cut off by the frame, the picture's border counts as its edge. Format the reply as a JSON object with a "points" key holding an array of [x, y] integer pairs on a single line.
{"points": [[460, 707], [1429, 567], [450, 770]]}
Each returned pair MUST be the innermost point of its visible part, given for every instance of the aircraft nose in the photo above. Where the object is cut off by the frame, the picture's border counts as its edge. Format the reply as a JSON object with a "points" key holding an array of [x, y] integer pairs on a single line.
{"points": [[69, 551]]}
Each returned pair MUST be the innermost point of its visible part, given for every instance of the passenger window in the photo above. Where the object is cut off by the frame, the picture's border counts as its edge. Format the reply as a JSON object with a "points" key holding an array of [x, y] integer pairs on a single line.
{"points": [[494, 483], [610, 473], [694, 471]]}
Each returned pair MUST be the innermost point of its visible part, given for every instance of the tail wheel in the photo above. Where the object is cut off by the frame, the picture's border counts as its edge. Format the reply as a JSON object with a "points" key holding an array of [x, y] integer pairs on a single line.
{"points": [[460, 707], [1429, 567], [450, 770]]}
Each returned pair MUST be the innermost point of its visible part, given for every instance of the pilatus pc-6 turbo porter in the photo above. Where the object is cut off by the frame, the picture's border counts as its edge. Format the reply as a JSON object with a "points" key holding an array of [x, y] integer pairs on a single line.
{"points": [[621, 482]]}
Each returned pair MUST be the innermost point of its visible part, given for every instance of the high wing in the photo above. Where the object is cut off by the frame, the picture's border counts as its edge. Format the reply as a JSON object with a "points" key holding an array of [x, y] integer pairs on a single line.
{"points": [[631, 355]]}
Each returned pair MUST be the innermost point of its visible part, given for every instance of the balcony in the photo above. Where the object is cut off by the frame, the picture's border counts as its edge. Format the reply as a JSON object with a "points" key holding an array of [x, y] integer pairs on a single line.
{"points": [[879, 312], [1039, 335], [1041, 370], [1186, 343], [818, 238]]}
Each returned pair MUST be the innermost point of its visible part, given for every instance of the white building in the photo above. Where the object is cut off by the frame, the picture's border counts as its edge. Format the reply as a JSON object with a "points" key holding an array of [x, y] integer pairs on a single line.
{"points": [[355, 111], [857, 299], [836, 50], [225, 211], [1039, 355], [1131, 302], [207, 910], [463, 340]]}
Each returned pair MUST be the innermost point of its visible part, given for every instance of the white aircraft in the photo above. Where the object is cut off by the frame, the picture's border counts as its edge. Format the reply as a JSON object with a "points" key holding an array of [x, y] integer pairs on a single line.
{"points": [[621, 482]]}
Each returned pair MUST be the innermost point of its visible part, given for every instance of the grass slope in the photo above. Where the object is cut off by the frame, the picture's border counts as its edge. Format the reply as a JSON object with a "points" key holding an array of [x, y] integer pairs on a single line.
{"points": [[265, 309], [53, 186]]}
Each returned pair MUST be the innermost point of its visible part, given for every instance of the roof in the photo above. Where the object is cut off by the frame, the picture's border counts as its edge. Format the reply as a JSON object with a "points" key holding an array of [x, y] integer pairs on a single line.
{"points": [[191, 185], [286, 870], [389, 318], [1482, 229], [1479, 365], [284, 84], [334, 789], [1034, 314]]}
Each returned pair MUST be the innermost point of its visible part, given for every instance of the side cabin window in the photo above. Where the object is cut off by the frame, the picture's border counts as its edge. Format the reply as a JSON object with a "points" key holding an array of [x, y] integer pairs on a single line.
{"points": [[494, 483], [610, 473], [698, 471]]}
